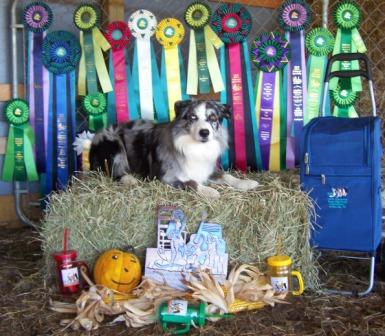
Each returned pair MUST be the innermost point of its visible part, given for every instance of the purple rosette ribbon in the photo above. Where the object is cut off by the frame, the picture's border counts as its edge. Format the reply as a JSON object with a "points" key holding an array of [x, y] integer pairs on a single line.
{"points": [[270, 54]]}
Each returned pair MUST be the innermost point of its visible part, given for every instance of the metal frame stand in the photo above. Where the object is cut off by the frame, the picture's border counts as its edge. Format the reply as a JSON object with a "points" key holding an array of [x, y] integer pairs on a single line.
{"points": [[356, 293], [18, 190]]}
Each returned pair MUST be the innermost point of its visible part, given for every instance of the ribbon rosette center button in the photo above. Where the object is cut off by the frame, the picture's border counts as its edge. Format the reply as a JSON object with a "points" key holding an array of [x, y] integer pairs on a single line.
{"points": [[117, 34], [294, 15], [61, 52], [142, 23], [169, 31], [231, 23], [347, 15], [271, 51], [17, 112], [37, 17]]}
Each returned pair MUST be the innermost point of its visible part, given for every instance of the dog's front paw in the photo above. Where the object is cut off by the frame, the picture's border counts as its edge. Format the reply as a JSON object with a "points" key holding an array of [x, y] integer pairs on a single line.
{"points": [[245, 185], [208, 192], [129, 180]]}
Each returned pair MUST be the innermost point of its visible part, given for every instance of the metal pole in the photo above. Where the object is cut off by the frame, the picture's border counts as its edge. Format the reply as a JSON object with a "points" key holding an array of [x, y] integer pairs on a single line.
{"points": [[325, 7], [19, 191]]}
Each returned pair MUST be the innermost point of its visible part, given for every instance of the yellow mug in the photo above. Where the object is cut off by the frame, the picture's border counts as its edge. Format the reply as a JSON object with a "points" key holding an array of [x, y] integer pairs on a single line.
{"points": [[280, 275]]}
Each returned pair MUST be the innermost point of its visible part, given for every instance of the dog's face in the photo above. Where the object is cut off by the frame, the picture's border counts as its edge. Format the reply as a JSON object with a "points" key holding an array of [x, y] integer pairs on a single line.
{"points": [[201, 119]]}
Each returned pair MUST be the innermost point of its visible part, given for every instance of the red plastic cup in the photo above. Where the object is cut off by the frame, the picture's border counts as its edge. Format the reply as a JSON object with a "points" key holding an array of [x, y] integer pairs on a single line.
{"points": [[67, 271]]}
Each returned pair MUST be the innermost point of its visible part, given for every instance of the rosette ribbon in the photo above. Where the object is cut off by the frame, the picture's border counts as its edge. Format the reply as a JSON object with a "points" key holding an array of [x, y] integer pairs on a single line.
{"points": [[232, 23], [94, 105], [347, 17], [37, 19], [344, 101], [319, 44], [294, 17], [92, 66], [19, 163], [61, 54], [170, 33], [203, 67], [145, 72], [118, 35], [270, 54]]}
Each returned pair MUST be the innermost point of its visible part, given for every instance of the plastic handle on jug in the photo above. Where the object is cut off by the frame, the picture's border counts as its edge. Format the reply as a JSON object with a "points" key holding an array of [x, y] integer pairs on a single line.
{"points": [[176, 331], [300, 282]]}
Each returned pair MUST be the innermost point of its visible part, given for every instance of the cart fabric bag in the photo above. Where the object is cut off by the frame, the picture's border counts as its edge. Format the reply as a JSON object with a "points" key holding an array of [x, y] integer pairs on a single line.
{"points": [[341, 171]]}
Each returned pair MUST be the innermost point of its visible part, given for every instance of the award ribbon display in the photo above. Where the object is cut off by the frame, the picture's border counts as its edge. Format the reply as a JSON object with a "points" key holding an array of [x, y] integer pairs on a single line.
{"points": [[344, 101], [319, 44], [19, 164], [118, 35], [170, 33], [92, 66], [94, 105], [347, 17], [61, 54], [232, 23], [145, 72], [270, 54], [294, 18], [203, 67], [37, 19]]}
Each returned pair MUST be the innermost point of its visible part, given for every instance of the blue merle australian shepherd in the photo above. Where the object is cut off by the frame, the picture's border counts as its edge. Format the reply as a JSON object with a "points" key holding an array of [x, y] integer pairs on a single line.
{"points": [[182, 153]]}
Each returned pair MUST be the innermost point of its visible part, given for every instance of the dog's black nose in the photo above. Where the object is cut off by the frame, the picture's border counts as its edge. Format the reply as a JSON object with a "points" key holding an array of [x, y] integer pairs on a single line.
{"points": [[204, 133]]}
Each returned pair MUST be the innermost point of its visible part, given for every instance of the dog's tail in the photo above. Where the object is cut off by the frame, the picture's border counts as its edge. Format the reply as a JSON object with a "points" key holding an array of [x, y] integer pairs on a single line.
{"points": [[108, 154]]}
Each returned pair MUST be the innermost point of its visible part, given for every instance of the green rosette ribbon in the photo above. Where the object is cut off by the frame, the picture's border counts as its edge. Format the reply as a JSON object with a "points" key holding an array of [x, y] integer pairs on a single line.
{"points": [[347, 17], [92, 65], [203, 67], [19, 163], [319, 44], [344, 101], [94, 105]]}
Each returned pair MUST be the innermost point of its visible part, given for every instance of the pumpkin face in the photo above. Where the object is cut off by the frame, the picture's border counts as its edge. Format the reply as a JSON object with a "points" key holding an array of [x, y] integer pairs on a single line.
{"points": [[118, 270]]}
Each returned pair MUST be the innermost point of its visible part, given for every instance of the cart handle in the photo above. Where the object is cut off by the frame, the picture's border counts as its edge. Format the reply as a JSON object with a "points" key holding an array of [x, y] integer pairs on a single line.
{"points": [[367, 73]]}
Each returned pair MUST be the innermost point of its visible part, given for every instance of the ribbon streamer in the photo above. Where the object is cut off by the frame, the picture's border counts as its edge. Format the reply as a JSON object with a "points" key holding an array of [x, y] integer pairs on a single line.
{"points": [[61, 54], [95, 106], [203, 67], [19, 164], [118, 35], [170, 33], [347, 17], [294, 17], [145, 71], [319, 44], [232, 23], [92, 66], [270, 54], [37, 19]]}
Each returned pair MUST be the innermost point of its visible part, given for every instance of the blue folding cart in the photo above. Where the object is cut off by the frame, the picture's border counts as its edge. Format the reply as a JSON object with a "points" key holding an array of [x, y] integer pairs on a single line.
{"points": [[341, 171]]}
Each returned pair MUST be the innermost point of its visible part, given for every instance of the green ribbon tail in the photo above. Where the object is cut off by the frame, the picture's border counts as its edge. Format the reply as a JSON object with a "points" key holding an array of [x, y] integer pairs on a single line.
{"points": [[9, 161], [315, 84], [333, 83], [352, 113], [203, 70], [346, 47], [97, 122], [356, 82], [29, 160], [19, 169], [92, 85]]}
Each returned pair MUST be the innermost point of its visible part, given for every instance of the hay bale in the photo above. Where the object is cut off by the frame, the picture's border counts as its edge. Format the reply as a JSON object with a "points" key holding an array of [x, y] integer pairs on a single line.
{"points": [[102, 214]]}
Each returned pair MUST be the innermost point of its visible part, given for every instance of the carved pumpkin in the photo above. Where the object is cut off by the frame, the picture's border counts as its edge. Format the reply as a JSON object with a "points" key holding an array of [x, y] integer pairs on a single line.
{"points": [[118, 270]]}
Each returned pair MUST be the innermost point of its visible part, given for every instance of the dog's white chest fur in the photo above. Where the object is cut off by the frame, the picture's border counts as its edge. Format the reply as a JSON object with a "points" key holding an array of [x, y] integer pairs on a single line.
{"points": [[198, 160]]}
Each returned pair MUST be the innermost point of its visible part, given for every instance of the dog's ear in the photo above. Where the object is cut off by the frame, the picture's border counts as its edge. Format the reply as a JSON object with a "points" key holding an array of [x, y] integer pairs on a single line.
{"points": [[225, 110], [180, 106]]}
